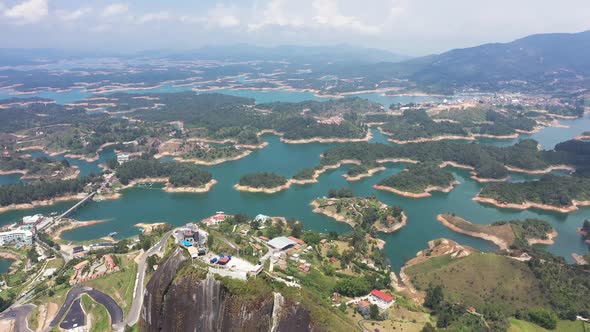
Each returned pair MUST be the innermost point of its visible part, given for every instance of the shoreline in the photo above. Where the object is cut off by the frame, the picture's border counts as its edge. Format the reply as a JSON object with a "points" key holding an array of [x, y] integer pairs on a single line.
{"points": [[272, 190], [367, 138], [202, 189], [167, 188], [541, 171], [527, 205], [342, 218], [213, 162], [336, 216], [73, 225], [318, 172], [35, 204], [500, 243], [368, 173], [426, 193], [149, 227], [548, 241]]}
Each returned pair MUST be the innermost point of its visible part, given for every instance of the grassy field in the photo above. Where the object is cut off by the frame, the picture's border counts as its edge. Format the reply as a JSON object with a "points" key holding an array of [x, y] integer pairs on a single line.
{"points": [[562, 326], [100, 319], [481, 279], [119, 285]]}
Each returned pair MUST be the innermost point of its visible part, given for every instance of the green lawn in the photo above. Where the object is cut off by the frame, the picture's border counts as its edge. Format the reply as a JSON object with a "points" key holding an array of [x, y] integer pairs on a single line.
{"points": [[119, 285], [100, 319], [480, 279], [562, 326]]}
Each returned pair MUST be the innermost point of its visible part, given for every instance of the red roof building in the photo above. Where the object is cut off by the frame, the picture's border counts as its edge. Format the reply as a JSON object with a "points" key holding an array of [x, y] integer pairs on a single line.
{"points": [[223, 260], [377, 294], [296, 240]]}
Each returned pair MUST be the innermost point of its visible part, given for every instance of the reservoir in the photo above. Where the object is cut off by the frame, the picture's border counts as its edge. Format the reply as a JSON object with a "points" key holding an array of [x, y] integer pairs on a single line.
{"points": [[151, 204]]}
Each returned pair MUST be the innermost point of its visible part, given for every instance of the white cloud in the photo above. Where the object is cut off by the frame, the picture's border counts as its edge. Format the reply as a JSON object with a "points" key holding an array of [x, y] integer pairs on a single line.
{"points": [[328, 14], [28, 11], [115, 9], [223, 17], [274, 14], [74, 15], [154, 17]]}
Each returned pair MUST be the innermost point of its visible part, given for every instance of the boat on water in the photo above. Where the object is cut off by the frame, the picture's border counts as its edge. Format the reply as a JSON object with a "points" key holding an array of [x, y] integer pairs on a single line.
{"points": [[113, 233]]}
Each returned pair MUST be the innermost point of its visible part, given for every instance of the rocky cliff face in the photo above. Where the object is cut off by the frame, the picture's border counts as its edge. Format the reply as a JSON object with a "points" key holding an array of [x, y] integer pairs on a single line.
{"points": [[192, 302]]}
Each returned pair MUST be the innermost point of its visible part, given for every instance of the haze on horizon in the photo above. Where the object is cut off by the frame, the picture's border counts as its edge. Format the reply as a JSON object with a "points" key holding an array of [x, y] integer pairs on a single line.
{"points": [[411, 27]]}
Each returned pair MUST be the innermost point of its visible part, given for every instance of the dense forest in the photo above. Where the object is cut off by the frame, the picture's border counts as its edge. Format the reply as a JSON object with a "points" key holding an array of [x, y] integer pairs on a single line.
{"points": [[325, 108], [43, 190], [222, 116], [178, 174], [550, 189], [488, 161], [416, 178], [416, 124], [262, 180]]}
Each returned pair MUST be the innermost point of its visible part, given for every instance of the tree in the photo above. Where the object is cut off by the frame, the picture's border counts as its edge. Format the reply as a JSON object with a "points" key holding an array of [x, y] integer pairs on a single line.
{"points": [[297, 229], [32, 255], [151, 261], [428, 328], [374, 312], [209, 241], [311, 237], [434, 297]]}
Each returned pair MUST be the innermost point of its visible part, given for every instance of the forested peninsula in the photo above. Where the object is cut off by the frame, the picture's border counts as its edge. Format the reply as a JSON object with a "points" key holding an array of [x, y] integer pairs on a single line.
{"points": [[418, 180]]}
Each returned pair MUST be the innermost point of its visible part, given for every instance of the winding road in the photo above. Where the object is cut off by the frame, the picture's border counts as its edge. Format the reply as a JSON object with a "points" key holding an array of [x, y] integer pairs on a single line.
{"points": [[73, 297]]}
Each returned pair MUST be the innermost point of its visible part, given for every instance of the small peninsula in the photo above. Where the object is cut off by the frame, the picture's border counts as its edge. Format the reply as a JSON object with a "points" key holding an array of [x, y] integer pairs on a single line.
{"points": [[365, 212], [264, 182], [504, 234], [418, 181], [552, 192]]}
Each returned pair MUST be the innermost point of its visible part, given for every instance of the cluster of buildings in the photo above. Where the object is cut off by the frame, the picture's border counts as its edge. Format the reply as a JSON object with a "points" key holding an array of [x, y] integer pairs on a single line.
{"points": [[81, 251], [215, 219], [20, 234], [333, 120], [376, 297], [288, 247], [87, 270]]}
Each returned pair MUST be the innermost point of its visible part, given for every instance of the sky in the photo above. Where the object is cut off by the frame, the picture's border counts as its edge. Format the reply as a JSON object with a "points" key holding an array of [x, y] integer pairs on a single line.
{"points": [[410, 27]]}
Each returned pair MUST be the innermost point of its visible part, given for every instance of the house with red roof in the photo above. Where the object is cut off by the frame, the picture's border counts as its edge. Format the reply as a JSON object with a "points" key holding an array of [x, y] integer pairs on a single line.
{"points": [[381, 299]]}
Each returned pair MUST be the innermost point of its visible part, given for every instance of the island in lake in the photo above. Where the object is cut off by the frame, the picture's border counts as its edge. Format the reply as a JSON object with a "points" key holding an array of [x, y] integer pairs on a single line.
{"points": [[365, 212], [264, 182], [419, 180]]}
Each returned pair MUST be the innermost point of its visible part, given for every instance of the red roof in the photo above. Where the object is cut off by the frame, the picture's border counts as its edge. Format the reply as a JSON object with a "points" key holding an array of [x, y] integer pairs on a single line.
{"points": [[296, 240], [218, 217], [380, 295]]}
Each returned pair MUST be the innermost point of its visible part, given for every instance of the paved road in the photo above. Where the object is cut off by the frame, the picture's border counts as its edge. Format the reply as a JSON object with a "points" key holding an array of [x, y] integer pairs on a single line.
{"points": [[19, 314], [138, 293], [75, 316], [74, 295]]}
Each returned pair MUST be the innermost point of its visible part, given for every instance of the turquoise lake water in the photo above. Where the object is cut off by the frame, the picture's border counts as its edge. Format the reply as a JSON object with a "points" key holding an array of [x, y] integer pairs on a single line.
{"points": [[154, 205], [5, 265]]}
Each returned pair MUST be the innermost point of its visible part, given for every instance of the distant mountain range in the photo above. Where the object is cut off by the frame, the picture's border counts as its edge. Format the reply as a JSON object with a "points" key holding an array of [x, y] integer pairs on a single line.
{"points": [[535, 57], [302, 54]]}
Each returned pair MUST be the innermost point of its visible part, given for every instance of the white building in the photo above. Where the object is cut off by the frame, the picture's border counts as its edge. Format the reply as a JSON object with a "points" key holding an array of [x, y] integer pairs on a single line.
{"points": [[32, 219], [122, 158], [16, 236]]}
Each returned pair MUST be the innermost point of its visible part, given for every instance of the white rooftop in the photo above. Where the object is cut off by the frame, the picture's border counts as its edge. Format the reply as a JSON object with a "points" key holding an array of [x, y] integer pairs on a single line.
{"points": [[281, 242]]}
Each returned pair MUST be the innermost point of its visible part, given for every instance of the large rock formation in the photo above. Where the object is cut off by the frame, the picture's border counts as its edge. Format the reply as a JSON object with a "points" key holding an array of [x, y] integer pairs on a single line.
{"points": [[180, 299]]}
